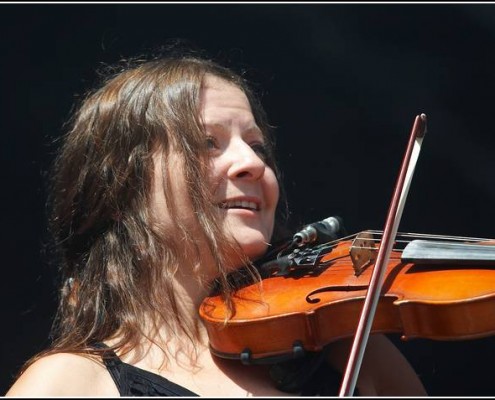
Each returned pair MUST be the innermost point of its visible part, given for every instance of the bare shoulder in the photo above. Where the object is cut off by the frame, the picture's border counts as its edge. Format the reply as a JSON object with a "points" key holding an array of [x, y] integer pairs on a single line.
{"points": [[64, 374]]}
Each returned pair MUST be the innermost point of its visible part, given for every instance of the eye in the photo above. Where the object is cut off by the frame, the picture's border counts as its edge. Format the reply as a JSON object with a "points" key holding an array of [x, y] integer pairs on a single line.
{"points": [[261, 149], [211, 143]]}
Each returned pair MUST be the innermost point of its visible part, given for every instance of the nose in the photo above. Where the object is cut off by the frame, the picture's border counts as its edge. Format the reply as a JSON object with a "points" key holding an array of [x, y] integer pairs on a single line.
{"points": [[245, 163]]}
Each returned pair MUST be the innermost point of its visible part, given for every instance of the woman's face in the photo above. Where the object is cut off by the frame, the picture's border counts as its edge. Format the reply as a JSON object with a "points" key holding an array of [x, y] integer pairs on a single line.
{"points": [[244, 187]]}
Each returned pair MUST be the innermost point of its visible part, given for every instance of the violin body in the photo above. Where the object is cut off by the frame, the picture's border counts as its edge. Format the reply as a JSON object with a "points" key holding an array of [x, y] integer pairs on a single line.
{"points": [[280, 315]]}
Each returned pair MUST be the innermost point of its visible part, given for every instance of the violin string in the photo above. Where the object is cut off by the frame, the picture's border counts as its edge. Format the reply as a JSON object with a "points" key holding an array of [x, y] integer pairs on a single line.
{"points": [[432, 236], [404, 238]]}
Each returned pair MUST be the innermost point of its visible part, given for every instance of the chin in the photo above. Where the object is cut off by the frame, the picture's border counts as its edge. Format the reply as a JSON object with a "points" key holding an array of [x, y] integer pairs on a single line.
{"points": [[252, 240], [254, 249]]}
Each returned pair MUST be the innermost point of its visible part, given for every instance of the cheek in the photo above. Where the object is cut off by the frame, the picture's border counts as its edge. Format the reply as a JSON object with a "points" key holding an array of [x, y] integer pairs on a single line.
{"points": [[272, 189], [272, 195], [215, 176]]}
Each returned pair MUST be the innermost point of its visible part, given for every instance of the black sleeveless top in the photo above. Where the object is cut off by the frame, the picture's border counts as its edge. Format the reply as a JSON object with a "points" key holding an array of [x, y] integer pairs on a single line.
{"points": [[308, 376], [134, 381]]}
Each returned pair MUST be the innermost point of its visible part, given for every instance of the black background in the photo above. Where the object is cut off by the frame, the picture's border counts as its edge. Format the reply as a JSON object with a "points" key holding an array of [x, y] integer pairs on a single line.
{"points": [[342, 83]]}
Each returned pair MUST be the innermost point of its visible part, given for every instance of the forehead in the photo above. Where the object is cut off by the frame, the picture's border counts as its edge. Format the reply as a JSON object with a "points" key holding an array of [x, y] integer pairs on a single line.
{"points": [[220, 96]]}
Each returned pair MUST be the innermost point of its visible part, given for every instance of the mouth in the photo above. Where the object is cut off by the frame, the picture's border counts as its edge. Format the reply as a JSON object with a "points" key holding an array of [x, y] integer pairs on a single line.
{"points": [[240, 204]]}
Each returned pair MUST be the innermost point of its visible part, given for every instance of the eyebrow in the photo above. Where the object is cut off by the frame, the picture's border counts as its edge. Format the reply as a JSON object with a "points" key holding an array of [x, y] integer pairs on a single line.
{"points": [[217, 125]]}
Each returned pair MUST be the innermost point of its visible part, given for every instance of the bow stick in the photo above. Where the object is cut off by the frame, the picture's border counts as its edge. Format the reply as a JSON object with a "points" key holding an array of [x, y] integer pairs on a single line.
{"points": [[390, 231]]}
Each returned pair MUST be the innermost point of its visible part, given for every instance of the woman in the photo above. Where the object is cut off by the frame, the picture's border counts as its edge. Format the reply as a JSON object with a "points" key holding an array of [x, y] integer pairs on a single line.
{"points": [[166, 184]]}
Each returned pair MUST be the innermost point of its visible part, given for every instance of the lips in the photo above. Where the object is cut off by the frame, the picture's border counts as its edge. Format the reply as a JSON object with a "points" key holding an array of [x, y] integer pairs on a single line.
{"points": [[245, 204]]}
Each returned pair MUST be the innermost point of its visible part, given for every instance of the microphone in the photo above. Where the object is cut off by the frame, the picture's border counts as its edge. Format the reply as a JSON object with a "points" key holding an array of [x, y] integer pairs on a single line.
{"points": [[321, 231]]}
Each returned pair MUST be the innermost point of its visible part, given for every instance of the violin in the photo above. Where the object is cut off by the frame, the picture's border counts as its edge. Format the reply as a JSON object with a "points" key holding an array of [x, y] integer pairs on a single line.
{"points": [[435, 287]]}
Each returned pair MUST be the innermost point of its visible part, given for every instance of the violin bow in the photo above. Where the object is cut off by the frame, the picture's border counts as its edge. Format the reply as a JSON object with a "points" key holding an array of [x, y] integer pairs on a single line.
{"points": [[389, 233]]}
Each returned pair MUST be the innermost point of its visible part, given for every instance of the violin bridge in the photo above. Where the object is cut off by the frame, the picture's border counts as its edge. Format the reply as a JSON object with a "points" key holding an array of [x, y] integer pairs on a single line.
{"points": [[363, 251]]}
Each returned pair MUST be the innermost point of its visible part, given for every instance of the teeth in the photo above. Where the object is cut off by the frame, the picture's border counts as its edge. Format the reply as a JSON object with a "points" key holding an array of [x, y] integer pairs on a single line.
{"points": [[239, 204]]}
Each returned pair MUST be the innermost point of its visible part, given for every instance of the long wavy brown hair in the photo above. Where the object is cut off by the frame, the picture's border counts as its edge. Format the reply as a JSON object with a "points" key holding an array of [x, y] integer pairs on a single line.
{"points": [[115, 266]]}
